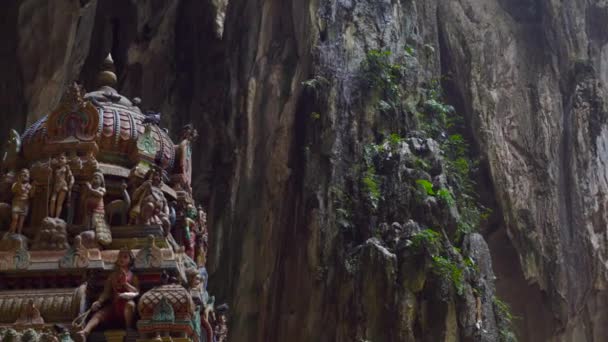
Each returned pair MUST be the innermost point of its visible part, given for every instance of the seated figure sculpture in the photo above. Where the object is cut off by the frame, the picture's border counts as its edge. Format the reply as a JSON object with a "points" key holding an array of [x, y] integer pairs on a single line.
{"points": [[149, 205], [115, 304]]}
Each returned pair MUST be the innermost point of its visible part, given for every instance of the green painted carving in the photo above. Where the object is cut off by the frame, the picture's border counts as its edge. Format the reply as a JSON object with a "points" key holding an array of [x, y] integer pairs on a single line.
{"points": [[22, 258], [196, 323], [146, 142], [163, 312], [65, 337]]}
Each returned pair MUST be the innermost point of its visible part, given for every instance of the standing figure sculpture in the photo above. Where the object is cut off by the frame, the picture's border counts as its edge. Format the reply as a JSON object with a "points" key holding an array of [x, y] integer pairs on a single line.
{"points": [[115, 304], [203, 307], [22, 192], [186, 236], [202, 241], [94, 209], [183, 156], [63, 180], [149, 205]]}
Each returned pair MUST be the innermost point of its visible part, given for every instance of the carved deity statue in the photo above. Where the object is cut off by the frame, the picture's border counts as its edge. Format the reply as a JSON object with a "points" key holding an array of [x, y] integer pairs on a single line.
{"points": [[202, 241], [90, 162], [22, 192], [203, 304], [149, 205], [220, 323], [94, 209], [191, 230], [183, 172], [63, 180], [115, 304], [30, 315], [195, 286]]}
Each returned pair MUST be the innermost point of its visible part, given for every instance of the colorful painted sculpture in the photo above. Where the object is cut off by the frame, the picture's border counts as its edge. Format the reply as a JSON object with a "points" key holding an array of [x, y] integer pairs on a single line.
{"points": [[95, 217], [202, 239], [98, 156], [149, 203], [115, 305], [120, 207], [22, 192], [183, 157], [63, 180]]}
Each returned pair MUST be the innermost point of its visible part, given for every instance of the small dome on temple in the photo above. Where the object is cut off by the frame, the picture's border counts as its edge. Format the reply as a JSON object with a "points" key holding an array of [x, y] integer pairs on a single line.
{"points": [[175, 296], [103, 122]]}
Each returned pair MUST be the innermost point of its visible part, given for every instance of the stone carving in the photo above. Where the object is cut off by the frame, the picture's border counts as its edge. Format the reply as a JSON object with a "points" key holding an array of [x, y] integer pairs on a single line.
{"points": [[197, 283], [30, 335], [22, 192], [77, 256], [79, 157], [202, 239], [11, 242], [152, 117], [166, 309], [115, 304], [74, 118], [49, 337], [95, 215], [163, 312], [120, 206], [183, 157], [88, 239], [149, 203], [11, 335], [75, 162], [146, 144], [184, 261], [90, 163], [149, 256], [52, 235], [63, 180], [22, 256], [17, 257], [186, 228], [220, 323], [73, 97], [29, 315]]}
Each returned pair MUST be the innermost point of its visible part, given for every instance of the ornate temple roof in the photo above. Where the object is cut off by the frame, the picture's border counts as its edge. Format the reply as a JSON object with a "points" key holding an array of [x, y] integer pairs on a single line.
{"points": [[93, 231], [112, 121]]}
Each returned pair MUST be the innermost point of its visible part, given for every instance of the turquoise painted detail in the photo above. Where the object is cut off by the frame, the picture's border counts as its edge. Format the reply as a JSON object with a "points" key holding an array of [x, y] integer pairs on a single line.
{"points": [[163, 312]]}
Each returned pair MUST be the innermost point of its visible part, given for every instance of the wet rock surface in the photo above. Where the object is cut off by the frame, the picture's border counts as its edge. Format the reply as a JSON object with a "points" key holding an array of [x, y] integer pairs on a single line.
{"points": [[305, 251]]}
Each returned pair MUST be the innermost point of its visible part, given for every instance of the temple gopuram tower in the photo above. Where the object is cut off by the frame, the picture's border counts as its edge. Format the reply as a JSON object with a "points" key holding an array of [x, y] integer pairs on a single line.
{"points": [[101, 239]]}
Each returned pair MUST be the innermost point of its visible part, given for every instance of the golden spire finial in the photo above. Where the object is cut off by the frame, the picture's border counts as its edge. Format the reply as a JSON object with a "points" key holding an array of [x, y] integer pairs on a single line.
{"points": [[106, 76]]}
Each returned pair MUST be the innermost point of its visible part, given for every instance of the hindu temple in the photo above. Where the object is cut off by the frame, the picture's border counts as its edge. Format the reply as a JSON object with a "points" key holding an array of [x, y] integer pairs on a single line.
{"points": [[101, 238]]}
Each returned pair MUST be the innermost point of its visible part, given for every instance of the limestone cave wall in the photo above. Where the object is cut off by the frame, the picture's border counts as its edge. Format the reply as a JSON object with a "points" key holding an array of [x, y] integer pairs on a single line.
{"points": [[315, 236]]}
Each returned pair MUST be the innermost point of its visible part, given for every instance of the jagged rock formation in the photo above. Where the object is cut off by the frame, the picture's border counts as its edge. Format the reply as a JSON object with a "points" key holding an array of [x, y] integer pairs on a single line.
{"points": [[276, 91]]}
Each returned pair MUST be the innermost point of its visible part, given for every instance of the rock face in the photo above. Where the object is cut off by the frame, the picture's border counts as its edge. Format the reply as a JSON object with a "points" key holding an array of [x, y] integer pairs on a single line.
{"points": [[531, 76], [314, 234]]}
